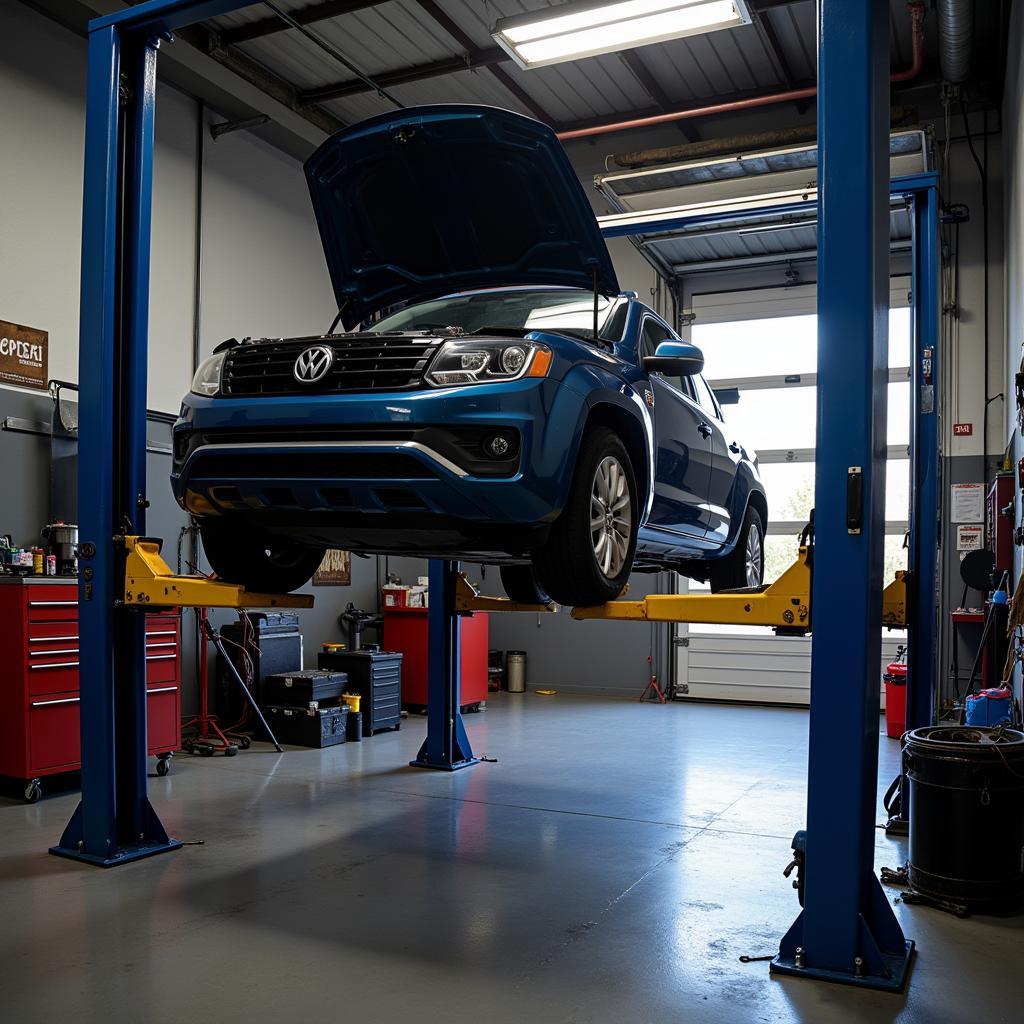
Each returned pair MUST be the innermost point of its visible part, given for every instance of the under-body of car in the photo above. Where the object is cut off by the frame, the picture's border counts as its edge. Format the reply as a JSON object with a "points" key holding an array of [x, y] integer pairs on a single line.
{"points": [[518, 409]]}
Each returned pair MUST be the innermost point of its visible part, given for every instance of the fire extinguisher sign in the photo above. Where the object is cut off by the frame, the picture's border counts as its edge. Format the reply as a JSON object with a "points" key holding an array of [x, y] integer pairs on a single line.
{"points": [[963, 429]]}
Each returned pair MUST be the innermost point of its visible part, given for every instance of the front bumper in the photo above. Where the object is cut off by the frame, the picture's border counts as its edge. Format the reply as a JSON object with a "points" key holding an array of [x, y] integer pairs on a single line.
{"points": [[350, 464]]}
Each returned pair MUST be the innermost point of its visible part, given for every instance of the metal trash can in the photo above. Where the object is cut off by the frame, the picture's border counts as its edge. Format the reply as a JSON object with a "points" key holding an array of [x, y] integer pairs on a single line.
{"points": [[966, 814], [515, 671]]}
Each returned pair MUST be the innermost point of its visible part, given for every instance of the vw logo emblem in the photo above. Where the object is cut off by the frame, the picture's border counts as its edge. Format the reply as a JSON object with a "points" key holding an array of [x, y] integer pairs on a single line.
{"points": [[313, 364]]}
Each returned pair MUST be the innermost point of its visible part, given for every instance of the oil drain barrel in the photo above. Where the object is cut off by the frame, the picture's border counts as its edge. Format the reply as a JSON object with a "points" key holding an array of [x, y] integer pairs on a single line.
{"points": [[966, 814]]}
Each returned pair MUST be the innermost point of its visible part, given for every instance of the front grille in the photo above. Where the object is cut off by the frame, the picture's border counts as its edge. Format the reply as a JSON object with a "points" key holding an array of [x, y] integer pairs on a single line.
{"points": [[362, 363]]}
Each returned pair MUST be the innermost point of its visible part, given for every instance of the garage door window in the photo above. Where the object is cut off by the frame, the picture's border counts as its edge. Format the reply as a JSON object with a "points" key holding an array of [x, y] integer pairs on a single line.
{"points": [[772, 362]]}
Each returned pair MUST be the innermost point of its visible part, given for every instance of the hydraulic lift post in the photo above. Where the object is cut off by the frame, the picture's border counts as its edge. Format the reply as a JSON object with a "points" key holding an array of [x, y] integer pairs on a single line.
{"points": [[847, 930], [114, 822]]}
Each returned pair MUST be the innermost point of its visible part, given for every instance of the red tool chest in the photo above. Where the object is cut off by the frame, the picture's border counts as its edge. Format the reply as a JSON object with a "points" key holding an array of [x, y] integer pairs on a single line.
{"points": [[39, 725], [405, 630]]}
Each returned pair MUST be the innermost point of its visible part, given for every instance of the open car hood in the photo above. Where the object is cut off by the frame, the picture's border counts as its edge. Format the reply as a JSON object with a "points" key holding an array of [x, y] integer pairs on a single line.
{"points": [[438, 199]]}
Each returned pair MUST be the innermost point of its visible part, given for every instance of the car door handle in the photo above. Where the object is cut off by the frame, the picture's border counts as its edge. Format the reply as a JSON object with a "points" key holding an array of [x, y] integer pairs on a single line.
{"points": [[704, 429], [734, 448]]}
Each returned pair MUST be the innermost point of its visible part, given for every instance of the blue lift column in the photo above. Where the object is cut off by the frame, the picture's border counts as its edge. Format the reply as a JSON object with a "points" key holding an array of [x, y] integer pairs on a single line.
{"points": [[114, 823], [847, 931], [922, 652], [447, 744]]}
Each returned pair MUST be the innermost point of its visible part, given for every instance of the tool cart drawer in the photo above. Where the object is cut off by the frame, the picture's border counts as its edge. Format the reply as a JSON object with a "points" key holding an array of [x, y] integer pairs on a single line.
{"points": [[54, 739], [162, 719], [52, 604], [52, 673]]}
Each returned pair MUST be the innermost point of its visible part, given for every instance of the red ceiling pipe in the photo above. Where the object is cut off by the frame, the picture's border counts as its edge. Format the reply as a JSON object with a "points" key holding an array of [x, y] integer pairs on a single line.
{"points": [[916, 9]]}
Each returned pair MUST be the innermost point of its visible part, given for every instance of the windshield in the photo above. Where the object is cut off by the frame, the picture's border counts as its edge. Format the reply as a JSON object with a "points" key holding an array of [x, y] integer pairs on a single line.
{"points": [[564, 309]]}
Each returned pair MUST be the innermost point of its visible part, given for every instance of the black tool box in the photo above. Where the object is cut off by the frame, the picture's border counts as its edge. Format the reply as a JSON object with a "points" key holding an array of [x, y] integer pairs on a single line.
{"points": [[377, 677], [308, 726], [276, 646], [306, 687]]}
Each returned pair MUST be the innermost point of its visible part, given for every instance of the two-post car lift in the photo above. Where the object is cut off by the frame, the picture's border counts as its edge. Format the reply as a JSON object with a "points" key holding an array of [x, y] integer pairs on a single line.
{"points": [[847, 930]]}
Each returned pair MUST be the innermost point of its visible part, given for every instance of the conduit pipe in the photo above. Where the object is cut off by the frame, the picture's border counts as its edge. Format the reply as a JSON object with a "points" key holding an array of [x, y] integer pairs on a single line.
{"points": [[956, 39], [916, 11]]}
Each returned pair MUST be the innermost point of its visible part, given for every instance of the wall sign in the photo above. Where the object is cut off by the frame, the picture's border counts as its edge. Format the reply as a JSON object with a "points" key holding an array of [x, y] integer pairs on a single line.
{"points": [[969, 537], [23, 352], [335, 570], [967, 503], [963, 429]]}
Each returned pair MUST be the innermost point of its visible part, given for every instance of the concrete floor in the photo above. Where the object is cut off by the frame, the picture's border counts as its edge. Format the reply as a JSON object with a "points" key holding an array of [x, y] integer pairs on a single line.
{"points": [[612, 866]]}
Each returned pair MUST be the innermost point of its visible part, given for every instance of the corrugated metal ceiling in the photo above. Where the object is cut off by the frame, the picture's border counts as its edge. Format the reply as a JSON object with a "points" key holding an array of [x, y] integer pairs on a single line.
{"points": [[398, 34]]}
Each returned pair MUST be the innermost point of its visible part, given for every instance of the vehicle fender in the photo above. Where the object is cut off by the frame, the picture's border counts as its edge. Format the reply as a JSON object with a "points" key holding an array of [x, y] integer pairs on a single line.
{"points": [[621, 405], [746, 488]]}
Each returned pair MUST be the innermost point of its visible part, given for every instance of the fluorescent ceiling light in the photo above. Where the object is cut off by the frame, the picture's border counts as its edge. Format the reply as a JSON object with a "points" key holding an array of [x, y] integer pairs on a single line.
{"points": [[574, 30]]}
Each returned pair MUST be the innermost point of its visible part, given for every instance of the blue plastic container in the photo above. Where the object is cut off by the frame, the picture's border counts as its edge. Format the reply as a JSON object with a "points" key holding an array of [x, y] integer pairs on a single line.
{"points": [[990, 707]]}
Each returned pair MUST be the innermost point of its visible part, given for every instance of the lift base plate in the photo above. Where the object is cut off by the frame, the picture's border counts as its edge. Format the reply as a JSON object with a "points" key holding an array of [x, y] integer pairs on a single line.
{"points": [[129, 853], [467, 762], [895, 981]]}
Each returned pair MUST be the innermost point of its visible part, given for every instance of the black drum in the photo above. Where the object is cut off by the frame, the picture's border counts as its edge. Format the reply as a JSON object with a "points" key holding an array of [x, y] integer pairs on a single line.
{"points": [[966, 814]]}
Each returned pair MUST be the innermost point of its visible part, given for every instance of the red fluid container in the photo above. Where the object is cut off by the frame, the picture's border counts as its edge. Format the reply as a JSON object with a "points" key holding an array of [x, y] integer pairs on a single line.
{"points": [[895, 699]]}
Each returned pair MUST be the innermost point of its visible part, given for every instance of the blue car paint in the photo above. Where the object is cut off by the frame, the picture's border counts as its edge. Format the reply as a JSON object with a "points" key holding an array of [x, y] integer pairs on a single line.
{"points": [[405, 207], [552, 414]]}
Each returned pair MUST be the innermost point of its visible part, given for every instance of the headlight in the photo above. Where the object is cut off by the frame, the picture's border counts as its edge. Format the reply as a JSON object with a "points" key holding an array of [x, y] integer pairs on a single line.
{"points": [[207, 378], [469, 361]]}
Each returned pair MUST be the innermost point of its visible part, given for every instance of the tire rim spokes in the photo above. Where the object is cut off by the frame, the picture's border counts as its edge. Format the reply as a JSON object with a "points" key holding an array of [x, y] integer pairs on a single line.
{"points": [[755, 557], [611, 516]]}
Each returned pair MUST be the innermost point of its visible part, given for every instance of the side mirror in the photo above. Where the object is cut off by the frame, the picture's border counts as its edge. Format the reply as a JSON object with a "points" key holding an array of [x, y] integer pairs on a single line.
{"points": [[675, 358]]}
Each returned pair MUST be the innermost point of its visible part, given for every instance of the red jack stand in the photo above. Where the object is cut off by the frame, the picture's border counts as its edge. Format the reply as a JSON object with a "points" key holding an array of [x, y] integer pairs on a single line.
{"points": [[658, 696], [208, 738]]}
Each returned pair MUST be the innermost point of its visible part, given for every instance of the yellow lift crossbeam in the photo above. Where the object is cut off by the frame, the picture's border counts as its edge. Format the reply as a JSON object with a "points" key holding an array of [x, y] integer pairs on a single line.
{"points": [[784, 605], [149, 583]]}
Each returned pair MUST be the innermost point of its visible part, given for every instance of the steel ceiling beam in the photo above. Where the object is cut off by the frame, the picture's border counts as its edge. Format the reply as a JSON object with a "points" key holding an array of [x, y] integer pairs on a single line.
{"points": [[441, 17], [644, 75], [403, 76], [304, 16]]}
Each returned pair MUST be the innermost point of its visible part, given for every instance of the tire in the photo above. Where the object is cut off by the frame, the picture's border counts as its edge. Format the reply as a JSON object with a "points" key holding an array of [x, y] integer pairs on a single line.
{"points": [[264, 565], [584, 564], [521, 584], [738, 571]]}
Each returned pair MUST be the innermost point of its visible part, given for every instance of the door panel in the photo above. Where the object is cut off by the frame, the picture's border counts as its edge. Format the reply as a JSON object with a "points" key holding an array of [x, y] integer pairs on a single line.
{"points": [[682, 453], [721, 468], [722, 478]]}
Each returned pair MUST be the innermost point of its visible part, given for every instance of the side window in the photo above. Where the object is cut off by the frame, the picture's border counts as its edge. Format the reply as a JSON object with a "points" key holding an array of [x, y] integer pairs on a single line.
{"points": [[612, 330], [652, 335], [705, 398]]}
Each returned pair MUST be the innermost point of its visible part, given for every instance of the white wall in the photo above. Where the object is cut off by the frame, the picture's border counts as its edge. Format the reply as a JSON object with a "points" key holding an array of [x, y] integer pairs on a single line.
{"points": [[42, 85], [264, 273]]}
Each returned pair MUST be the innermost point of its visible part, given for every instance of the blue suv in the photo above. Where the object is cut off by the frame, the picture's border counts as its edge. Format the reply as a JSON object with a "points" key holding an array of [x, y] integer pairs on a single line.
{"points": [[516, 409]]}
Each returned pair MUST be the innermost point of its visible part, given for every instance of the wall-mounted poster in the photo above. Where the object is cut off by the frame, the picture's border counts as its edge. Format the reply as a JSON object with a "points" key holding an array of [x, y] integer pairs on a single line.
{"points": [[335, 570], [23, 352]]}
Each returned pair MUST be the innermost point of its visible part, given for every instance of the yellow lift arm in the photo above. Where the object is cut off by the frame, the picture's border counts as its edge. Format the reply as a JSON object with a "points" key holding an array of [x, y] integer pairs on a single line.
{"points": [[784, 604], [149, 583]]}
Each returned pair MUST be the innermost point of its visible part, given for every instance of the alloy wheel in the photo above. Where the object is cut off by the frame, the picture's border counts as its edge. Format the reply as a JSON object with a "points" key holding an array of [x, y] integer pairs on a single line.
{"points": [[754, 556], [611, 516]]}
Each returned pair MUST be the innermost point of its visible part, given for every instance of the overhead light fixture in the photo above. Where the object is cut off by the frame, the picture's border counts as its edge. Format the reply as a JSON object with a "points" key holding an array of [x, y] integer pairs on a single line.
{"points": [[585, 29]]}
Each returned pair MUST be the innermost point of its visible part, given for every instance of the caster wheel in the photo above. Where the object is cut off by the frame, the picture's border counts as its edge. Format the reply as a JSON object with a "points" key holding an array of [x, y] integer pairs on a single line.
{"points": [[230, 751], [205, 751], [33, 791], [163, 768], [398, 727], [244, 742]]}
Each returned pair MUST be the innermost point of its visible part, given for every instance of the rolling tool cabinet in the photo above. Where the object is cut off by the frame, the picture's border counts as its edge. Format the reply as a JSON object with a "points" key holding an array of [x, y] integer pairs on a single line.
{"points": [[39, 719]]}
